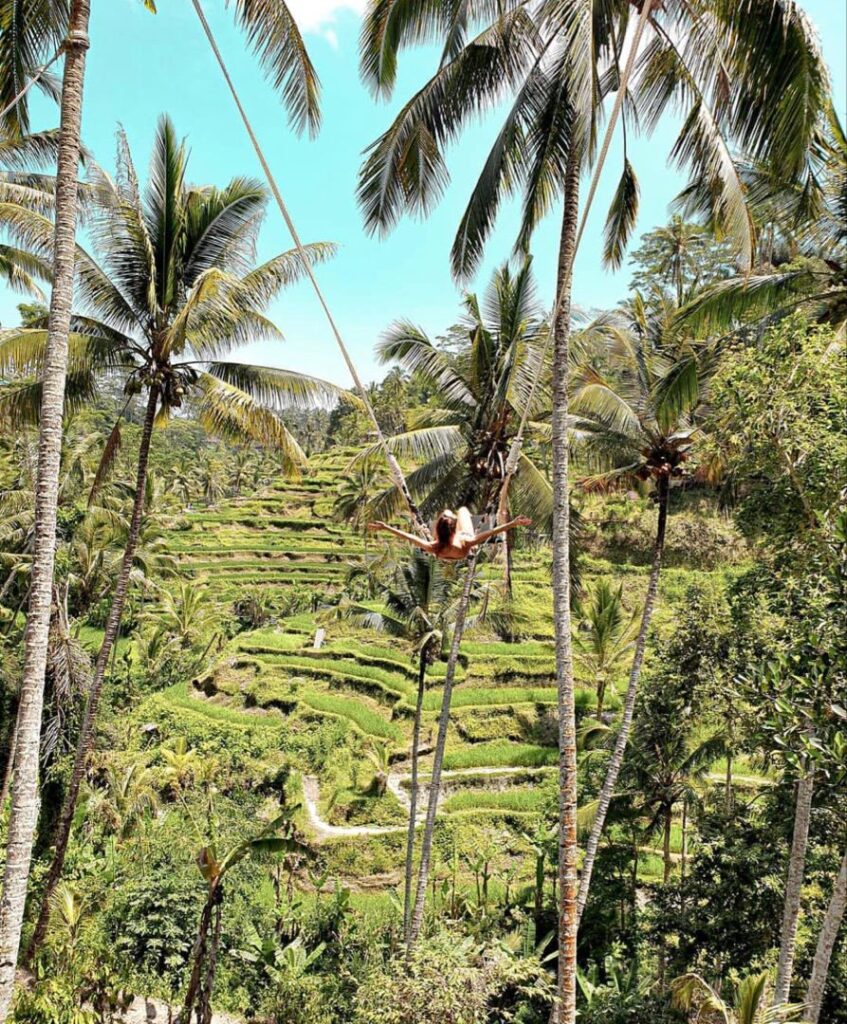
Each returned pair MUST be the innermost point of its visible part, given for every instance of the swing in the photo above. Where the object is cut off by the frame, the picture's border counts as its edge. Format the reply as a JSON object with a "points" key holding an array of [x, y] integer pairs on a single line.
{"points": [[458, 545]]}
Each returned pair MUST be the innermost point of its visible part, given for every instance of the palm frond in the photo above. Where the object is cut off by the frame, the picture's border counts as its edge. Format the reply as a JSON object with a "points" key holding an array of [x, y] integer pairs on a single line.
{"points": [[621, 219], [30, 32], [280, 389], [234, 415], [729, 304], [409, 345], [275, 38], [111, 450], [405, 168]]}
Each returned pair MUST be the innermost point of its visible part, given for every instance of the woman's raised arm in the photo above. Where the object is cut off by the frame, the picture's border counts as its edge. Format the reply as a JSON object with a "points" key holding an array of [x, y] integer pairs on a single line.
{"points": [[481, 538], [424, 545]]}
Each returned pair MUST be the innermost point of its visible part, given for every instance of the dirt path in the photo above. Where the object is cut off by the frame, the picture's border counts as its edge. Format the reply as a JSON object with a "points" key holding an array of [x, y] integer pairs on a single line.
{"points": [[323, 830], [151, 1011]]}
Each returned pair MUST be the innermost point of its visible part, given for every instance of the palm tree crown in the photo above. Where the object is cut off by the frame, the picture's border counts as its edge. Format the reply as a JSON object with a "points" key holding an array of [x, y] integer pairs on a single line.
{"points": [[465, 440], [170, 288], [747, 76]]}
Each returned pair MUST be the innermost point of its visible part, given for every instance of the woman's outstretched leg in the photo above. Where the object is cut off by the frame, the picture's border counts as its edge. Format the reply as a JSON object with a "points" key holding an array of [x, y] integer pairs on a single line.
{"points": [[464, 523]]}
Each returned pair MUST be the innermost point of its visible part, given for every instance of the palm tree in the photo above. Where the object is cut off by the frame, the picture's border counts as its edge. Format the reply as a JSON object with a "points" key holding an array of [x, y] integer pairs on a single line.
{"points": [[682, 255], [378, 753], [355, 493], [666, 766], [464, 441], [604, 637], [185, 613], [29, 34], [750, 1004], [560, 62], [170, 292], [811, 274], [418, 605], [637, 418], [794, 881], [124, 799]]}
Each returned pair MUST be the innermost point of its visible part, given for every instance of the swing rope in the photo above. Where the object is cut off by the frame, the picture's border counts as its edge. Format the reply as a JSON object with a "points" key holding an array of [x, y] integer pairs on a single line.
{"points": [[517, 444], [39, 72], [623, 85], [393, 465]]}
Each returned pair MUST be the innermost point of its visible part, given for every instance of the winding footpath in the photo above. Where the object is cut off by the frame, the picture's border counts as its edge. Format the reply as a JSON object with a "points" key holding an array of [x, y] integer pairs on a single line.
{"points": [[394, 784]]}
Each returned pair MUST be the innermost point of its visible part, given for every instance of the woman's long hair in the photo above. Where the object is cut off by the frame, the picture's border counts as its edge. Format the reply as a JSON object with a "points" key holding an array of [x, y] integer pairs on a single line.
{"points": [[445, 527]]}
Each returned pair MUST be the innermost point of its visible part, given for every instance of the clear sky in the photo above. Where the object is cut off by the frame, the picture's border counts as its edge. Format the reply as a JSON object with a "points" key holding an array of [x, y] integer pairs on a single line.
{"points": [[141, 65]]}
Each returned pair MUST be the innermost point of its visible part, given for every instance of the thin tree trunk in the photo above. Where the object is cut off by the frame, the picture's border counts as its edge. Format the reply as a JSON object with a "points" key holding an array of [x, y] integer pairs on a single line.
{"points": [[826, 943], [614, 769], [793, 888], [684, 864], [601, 696], [86, 734], [729, 792], [538, 910], [198, 955], [413, 800], [24, 813], [666, 846], [565, 1008], [438, 754], [205, 1008]]}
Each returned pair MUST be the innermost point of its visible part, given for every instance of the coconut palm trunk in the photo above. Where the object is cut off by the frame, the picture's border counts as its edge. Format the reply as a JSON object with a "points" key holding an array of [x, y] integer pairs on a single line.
{"points": [[565, 1008], [826, 943], [614, 769], [793, 888], [438, 754], [413, 799], [86, 734], [24, 813]]}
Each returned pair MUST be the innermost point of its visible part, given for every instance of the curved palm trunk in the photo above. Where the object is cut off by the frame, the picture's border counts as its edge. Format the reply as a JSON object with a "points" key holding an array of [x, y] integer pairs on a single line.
{"points": [[565, 1009], [24, 814], [438, 754], [86, 734], [614, 769], [793, 887], [413, 800], [826, 943]]}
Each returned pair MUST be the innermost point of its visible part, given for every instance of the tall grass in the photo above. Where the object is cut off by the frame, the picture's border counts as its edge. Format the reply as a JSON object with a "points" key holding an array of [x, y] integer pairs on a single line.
{"points": [[500, 754]]}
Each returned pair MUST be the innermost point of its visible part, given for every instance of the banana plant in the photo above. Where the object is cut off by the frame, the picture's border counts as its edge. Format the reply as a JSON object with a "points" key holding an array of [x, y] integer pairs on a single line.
{"points": [[279, 836], [750, 1003]]}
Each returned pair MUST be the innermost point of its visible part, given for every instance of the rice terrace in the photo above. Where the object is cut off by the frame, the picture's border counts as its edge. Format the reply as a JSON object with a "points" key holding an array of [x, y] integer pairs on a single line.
{"points": [[423, 512]]}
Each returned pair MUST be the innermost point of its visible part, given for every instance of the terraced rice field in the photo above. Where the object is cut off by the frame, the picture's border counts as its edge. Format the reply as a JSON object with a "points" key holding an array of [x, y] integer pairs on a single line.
{"points": [[285, 540]]}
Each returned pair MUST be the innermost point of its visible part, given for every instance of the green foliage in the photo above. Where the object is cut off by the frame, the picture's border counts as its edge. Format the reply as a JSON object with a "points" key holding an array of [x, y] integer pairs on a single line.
{"points": [[778, 428], [447, 978]]}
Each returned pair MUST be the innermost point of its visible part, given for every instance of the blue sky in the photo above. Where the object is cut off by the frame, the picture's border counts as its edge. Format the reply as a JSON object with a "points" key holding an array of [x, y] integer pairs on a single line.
{"points": [[142, 65]]}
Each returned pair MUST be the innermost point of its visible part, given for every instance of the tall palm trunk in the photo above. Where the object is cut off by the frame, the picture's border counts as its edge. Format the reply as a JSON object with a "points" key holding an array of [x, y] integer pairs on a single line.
{"points": [[793, 887], [24, 814], [614, 769], [438, 754], [565, 1008], [86, 733], [413, 799], [826, 943]]}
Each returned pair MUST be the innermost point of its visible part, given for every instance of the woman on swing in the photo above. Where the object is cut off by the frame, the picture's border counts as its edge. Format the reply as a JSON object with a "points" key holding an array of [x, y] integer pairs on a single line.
{"points": [[454, 534]]}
